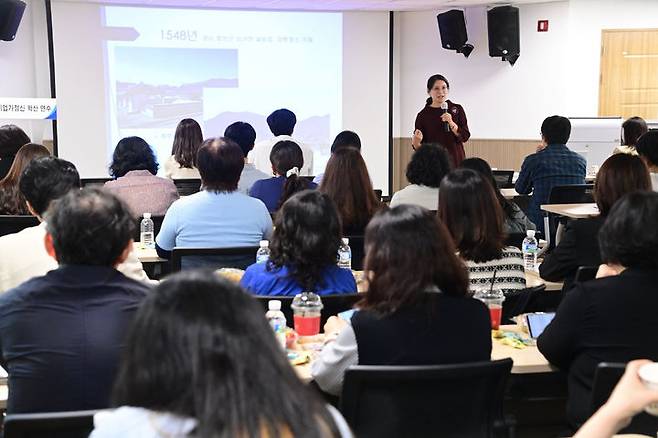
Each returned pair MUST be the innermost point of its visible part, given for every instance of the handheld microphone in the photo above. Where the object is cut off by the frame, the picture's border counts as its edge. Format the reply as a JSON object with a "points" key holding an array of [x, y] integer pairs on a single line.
{"points": [[444, 109]]}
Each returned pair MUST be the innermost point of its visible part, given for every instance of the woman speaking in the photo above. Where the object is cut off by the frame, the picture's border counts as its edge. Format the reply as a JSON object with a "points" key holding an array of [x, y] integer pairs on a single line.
{"points": [[442, 121]]}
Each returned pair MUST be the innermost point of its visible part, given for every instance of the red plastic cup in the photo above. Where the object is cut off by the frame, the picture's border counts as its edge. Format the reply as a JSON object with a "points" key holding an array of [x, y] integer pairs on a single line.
{"points": [[307, 325], [496, 314], [307, 308]]}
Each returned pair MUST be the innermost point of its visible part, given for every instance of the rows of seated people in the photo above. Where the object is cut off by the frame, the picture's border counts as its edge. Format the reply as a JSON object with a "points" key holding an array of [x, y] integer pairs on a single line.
{"points": [[79, 316]]}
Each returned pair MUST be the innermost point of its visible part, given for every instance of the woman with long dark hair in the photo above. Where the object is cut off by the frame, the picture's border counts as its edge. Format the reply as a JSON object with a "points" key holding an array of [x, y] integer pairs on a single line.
{"points": [[187, 140], [469, 209], [303, 251], [515, 219], [417, 292], [11, 199], [442, 121], [11, 139], [134, 168], [287, 159], [347, 182], [632, 129], [201, 361]]}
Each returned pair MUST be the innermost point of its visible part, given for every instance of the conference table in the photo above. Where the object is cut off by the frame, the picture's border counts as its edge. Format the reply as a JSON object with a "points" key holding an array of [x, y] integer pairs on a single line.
{"points": [[526, 360], [573, 211]]}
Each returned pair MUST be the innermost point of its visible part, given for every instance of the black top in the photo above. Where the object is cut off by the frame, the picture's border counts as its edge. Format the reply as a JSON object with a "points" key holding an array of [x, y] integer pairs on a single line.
{"points": [[61, 336], [440, 330], [579, 246], [612, 319]]}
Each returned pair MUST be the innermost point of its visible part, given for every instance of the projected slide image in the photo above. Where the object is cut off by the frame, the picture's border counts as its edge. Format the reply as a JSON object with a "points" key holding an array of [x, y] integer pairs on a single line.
{"points": [[156, 87]]}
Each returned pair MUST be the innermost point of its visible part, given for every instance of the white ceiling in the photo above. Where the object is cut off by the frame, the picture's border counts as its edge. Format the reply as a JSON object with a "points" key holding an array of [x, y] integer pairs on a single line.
{"points": [[316, 5]]}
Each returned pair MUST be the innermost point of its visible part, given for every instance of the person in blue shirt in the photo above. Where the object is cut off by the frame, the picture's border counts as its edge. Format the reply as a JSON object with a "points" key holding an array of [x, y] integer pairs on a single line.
{"points": [[303, 251], [287, 160], [218, 216], [554, 164]]}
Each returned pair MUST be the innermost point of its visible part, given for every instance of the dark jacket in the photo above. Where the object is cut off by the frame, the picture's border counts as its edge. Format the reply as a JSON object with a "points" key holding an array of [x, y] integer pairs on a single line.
{"points": [[611, 319], [579, 246], [61, 336], [433, 332]]}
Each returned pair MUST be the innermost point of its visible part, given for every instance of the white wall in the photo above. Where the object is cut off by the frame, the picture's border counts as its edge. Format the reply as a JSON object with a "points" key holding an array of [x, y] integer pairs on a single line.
{"points": [[557, 73], [587, 18], [24, 67], [500, 100]]}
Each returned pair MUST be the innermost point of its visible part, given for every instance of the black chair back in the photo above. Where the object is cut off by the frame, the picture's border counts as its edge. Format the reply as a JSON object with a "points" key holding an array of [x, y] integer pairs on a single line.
{"points": [[572, 194], [503, 178], [458, 400], [332, 305], [566, 194], [157, 224], [94, 182], [585, 273], [74, 424], [515, 239], [606, 377], [10, 224], [187, 186], [358, 251], [216, 258]]}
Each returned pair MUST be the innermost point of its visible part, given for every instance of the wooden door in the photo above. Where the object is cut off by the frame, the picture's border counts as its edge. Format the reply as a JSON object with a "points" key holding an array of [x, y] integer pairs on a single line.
{"points": [[629, 73]]}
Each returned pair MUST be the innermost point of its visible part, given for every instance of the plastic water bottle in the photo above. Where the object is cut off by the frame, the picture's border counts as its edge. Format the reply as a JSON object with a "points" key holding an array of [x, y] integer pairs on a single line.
{"points": [[146, 231], [277, 321], [345, 254], [530, 248], [263, 253]]}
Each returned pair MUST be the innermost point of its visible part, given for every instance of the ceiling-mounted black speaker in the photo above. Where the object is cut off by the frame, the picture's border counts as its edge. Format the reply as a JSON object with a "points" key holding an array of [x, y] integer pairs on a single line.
{"points": [[503, 26], [452, 28], [11, 13]]}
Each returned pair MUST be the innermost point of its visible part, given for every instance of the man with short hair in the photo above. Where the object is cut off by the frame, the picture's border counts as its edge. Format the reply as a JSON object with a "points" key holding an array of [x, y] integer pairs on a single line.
{"points": [[22, 254], [244, 135], [282, 123], [553, 164], [218, 216], [61, 334]]}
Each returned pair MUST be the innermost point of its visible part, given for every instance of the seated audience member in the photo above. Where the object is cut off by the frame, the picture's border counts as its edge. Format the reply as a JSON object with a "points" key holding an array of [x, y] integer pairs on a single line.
{"points": [[216, 370], [282, 123], [632, 129], [218, 216], [11, 139], [344, 139], [286, 159], [23, 255], [515, 219], [303, 251], [428, 165], [612, 318], [187, 140], [244, 135], [134, 166], [647, 148], [469, 209], [628, 399], [552, 165], [620, 174], [418, 292], [347, 182], [11, 200], [61, 334]]}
